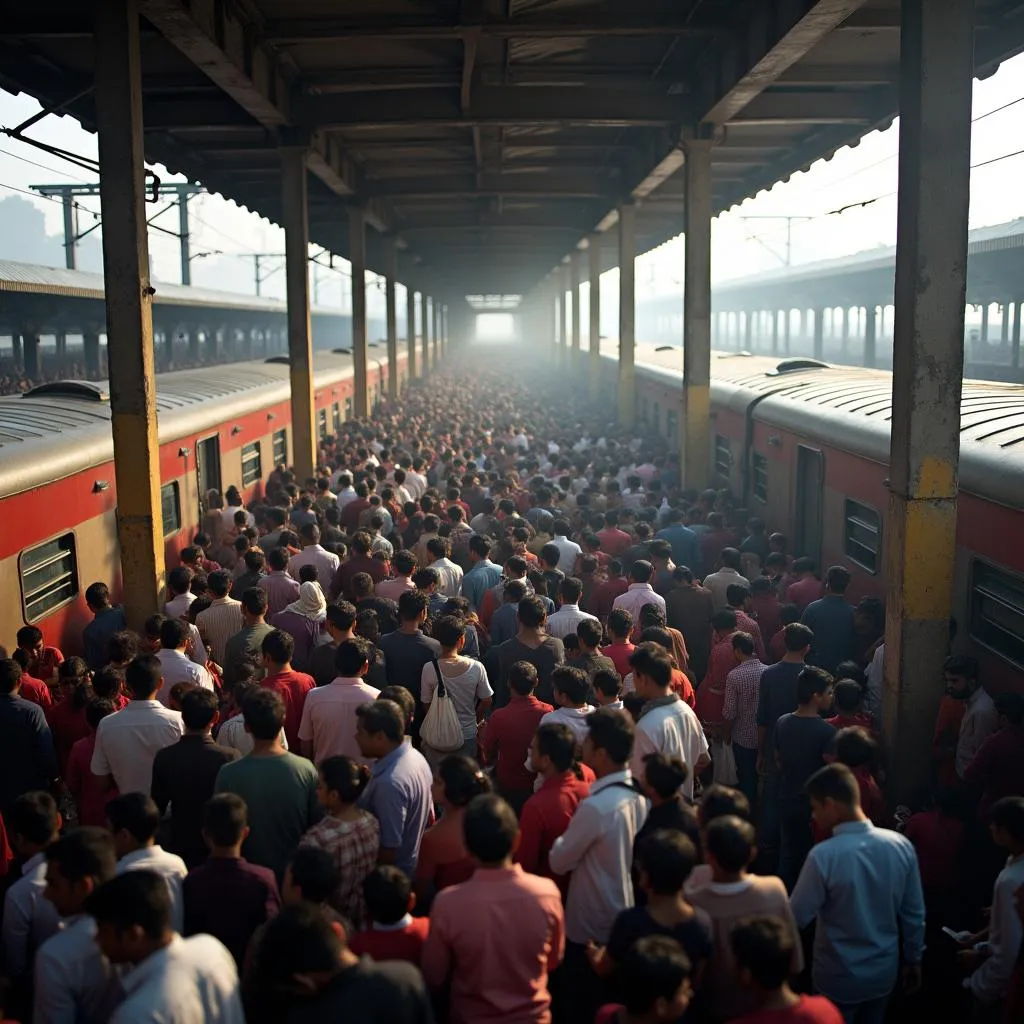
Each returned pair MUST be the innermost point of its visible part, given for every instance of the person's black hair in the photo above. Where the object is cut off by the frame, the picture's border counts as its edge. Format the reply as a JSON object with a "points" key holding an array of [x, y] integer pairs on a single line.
{"points": [[401, 696], [315, 872], [490, 828], [812, 682], [667, 857], [219, 582], [804, 564], [263, 712], [179, 579], [789, 615], [345, 777], [641, 571], [764, 946], [480, 545], [731, 841], [97, 595], [531, 612], [608, 682], [411, 605], [342, 616], [744, 643], [254, 601], [654, 662], [612, 732], [254, 560], [736, 594], [449, 630], [96, 710], [653, 968], [386, 890], [572, 682], [730, 557], [848, 695], [834, 782], [352, 655], [383, 716], [589, 631], [1007, 814], [837, 579], [620, 622], [462, 779], [722, 801], [278, 558], [34, 817], [664, 774], [797, 637], [724, 621], [570, 590], [29, 636], [514, 592], [225, 818], [1011, 706], [84, 852], [855, 747], [404, 562], [136, 813], [133, 899], [122, 646], [173, 634], [278, 646], [522, 678], [142, 676], [558, 742], [198, 708], [961, 665]]}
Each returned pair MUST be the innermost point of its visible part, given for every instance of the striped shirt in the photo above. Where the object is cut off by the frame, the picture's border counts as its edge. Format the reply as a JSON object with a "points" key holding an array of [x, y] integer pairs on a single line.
{"points": [[220, 622], [741, 690]]}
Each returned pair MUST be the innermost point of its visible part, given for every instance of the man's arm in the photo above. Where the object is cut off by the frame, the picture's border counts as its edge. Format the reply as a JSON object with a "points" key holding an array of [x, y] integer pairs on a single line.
{"points": [[911, 914], [436, 959], [571, 847], [809, 894]]}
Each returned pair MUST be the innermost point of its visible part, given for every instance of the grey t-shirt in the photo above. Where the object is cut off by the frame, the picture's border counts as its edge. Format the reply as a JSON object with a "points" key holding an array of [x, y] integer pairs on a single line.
{"points": [[801, 744]]}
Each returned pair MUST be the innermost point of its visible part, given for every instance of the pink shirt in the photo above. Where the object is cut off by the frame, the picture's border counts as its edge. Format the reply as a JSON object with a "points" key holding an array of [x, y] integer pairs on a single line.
{"points": [[329, 718], [394, 589], [496, 938]]}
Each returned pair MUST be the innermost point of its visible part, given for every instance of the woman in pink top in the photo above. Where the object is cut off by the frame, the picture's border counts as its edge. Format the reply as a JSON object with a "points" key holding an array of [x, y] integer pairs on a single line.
{"points": [[90, 794]]}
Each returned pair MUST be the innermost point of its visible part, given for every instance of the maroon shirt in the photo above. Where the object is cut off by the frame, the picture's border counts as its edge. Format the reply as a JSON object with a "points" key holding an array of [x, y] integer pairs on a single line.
{"points": [[766, 609], [614, 541], [292, 687], [546, 815], [803, 592], [507, 738], [998, 768], [342, 582], [351, 512], [603, 596]]}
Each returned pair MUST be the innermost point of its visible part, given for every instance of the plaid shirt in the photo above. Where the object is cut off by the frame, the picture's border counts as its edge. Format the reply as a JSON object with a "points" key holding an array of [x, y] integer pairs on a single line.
{"points": [[354, 846], [741, 688]]}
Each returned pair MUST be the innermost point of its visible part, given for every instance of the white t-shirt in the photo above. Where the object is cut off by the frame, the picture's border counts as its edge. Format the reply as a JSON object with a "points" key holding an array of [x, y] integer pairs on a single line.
{"points": [[466, 689], [670, 729]]}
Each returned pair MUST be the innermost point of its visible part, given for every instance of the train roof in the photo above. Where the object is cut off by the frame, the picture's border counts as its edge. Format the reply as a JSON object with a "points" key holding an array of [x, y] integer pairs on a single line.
{"points": [[63, 428], [850, 408]]}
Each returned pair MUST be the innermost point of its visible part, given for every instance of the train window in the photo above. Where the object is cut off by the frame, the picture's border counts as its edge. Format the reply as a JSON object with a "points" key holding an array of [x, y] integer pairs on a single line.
{"points": [[252, 464], [336, 417], [997, 611], [170, 506], [49, 576], [723, 456], [862, 535], [759, 465], [321, 421], [280, 447]]}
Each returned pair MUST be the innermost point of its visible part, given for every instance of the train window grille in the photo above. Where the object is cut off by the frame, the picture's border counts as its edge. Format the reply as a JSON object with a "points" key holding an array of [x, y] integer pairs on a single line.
{"points": [[49, 576], [252, 464], [723, 456], [336, 417], [997, 611], [170, 508], [321, 419], [862, 535], [759, 465], [280, 447]]}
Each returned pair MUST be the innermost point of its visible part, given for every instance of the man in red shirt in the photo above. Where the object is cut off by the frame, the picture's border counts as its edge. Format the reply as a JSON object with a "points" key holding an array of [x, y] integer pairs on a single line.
{"points": [[43, 661], [737, 598], [32, 689], [620, 626], [393, 934], [997, 770], [292, 686], [613, 540], [548, 812], [351, 512], [602, 597], [361, 561], [711, 693], [807, 587], [509, 731]]}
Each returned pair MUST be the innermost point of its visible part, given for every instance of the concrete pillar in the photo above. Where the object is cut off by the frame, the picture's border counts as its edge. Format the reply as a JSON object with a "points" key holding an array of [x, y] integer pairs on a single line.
{"points": [[1015, 335], [748, 329], [575, 269], [695, 443], [819, 333], [410, 331], [17, 348], [129, 302], [435, 325], [627, 314], [870, 344], [391, 317], [787, 317], [1004, 324], [91, 352], [984, 323], [32, 341], [425, 331], [192, 334], [564, 285], [844, 329], [300, 338], [775, 331], [594, 311], [61, 340], [936, 57], [357, 257]]}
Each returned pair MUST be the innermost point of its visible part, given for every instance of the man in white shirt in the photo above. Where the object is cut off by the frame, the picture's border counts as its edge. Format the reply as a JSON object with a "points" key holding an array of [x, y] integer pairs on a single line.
{"points": [[341, 484], [328, 726], [980, 718], [175, 665], [597, 848], [73, 981], [29, 919], [666, 725], [640, 591], [568, 616], [134, 820], [450, 573], [313, 553], [179, 582], [720, 582], [223, 619], [415, 481], [127, 742], [568, 550], [170, 978]]}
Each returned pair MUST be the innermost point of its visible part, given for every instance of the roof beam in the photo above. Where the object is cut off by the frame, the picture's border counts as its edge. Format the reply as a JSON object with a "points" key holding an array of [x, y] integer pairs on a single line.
{"points": [[846, 75], [539, 186], [493, 105], [806, 108], [299, 31], [225, 48]]}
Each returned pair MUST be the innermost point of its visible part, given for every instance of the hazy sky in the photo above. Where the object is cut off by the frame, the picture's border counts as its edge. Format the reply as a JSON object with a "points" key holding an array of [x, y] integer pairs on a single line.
{"points": [[740, 248]]}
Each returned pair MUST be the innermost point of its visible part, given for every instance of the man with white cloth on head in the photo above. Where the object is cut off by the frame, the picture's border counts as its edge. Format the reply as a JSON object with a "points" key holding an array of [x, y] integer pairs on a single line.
{"points": [[304, 621]]}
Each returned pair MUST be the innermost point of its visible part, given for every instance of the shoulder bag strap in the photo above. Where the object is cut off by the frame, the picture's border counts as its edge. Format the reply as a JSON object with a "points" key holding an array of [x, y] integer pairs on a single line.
{"points": [[441, 691]]}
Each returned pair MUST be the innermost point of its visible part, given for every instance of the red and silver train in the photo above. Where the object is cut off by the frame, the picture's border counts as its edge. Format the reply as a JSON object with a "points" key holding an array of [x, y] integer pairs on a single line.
{"points": [[803, 444], [217, 426]]}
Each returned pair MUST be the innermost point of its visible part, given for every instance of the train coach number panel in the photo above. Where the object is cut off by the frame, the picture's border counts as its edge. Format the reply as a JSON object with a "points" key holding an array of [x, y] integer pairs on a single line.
{"points": [[810, 484]]}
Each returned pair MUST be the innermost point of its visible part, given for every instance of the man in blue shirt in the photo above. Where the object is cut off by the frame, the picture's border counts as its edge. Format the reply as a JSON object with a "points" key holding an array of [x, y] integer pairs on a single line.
{"points": [[685, 543], [831, 619], [864, 888], [483, 574], [107, 620]]}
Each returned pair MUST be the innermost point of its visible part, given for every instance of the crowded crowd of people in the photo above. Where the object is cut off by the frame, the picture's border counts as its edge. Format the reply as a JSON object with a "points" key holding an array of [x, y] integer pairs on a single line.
{"points": [[490, 721]]}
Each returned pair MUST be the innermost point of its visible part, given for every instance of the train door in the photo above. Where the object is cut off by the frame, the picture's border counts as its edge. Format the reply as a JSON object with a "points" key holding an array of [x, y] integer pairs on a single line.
{"points": [[207, 468], [810, 484]]}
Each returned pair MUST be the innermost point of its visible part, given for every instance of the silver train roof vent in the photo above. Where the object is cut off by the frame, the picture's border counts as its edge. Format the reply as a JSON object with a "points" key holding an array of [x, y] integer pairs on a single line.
{"points": [[85, 390]]}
